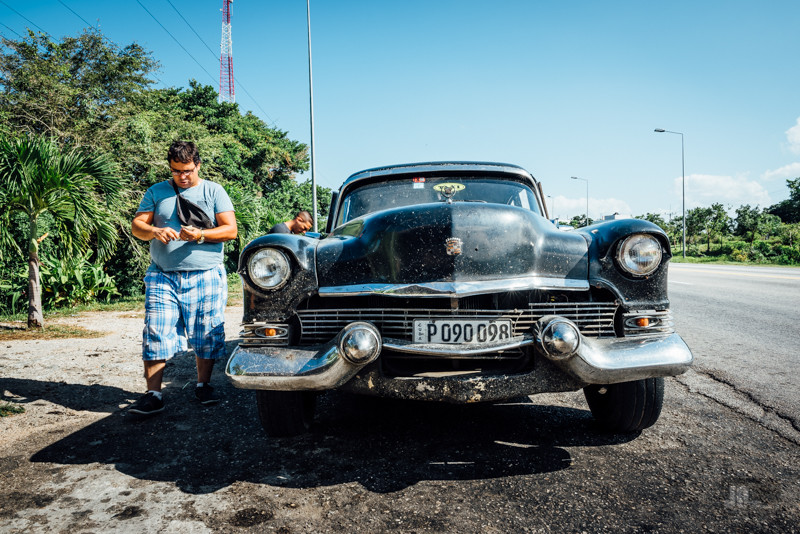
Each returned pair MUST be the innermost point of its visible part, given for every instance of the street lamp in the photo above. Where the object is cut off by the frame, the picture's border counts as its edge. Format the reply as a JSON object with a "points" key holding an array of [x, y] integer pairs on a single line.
{"points": [[553, 207], [587, 196], [683, 174]]}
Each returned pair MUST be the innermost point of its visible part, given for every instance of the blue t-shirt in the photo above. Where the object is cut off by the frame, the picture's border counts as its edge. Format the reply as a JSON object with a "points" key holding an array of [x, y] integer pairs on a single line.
{"points": [[184, 255]]}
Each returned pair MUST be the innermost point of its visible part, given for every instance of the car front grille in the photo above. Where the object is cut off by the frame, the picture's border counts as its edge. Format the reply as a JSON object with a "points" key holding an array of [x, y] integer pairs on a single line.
{"points": [[320, 325]]}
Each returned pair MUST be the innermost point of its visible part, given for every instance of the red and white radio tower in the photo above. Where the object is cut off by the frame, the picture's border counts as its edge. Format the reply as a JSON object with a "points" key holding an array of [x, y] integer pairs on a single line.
{"points": [[226, 91]]}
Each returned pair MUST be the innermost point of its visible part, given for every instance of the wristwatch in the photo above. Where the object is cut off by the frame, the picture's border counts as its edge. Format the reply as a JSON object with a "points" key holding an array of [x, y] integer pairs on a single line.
{"points": [[202, 237]]}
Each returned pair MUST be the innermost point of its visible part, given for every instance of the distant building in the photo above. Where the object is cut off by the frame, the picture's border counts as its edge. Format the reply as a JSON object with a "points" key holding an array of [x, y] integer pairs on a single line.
{"points": [[615, 216]]}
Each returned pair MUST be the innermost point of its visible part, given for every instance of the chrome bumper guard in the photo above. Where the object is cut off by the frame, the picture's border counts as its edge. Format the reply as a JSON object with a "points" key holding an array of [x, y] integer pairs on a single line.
{"points": [[593, 360]]}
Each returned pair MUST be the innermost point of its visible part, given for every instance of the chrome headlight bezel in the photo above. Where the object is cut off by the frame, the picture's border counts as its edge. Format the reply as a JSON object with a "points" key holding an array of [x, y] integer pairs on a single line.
{"points": [[639, 255], [269, 268]]}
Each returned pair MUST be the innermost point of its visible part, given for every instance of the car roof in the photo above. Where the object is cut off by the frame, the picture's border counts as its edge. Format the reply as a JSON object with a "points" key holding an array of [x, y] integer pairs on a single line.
{"points": [[438, 166]]}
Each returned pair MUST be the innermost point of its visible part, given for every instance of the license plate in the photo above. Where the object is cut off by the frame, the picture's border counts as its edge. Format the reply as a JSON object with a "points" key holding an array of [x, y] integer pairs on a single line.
{"points": [[462, 330]]}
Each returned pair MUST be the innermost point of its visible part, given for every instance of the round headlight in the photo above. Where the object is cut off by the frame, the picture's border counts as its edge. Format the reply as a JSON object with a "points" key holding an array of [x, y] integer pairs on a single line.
{"points": [[269, 268], [639, 254]]}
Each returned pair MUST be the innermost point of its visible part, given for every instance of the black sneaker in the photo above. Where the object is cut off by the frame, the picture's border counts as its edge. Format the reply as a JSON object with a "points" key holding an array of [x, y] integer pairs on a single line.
{"points": [[205, 394], [148, 404]]}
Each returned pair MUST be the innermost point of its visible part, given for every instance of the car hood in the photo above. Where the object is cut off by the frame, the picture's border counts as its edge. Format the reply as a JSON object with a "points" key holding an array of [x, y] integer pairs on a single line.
{"points": [[457, 242]]}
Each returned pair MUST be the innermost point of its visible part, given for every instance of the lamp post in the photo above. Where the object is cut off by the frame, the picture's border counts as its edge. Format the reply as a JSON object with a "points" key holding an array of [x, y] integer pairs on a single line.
{"points": [[587, 196], [683, 179]]}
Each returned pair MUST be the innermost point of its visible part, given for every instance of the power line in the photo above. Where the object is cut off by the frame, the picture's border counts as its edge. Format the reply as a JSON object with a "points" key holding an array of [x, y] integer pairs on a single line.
{"points": [[254, 100], [175, 39], [21, 15], [193, 30], [12, 31], [214, 55], [74, 13]]}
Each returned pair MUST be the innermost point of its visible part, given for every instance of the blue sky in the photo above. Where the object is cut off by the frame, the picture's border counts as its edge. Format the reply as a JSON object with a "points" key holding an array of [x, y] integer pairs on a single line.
{"points": [[561, 88]]}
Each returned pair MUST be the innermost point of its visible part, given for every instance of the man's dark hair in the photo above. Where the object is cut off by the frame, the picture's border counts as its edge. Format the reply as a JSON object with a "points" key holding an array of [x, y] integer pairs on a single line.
{"points": [[306, 216], [183, 152]]}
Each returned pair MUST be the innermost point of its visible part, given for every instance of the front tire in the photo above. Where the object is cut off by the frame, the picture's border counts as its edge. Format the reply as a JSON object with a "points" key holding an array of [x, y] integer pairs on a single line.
{"points": [[627, 406], [286, 413]]}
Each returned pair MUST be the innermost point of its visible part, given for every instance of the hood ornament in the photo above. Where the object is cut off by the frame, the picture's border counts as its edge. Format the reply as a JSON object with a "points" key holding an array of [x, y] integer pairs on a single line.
{"points": [[448, 190], [453, 246]]}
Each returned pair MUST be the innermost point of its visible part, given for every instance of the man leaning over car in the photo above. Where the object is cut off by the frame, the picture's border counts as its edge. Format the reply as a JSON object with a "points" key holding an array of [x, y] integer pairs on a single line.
{"points": [[301, 223]]}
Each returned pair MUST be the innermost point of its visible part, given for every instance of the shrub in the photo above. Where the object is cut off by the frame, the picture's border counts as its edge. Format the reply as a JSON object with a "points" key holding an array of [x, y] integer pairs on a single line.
{"points": [[787, 255], [75, 280]]}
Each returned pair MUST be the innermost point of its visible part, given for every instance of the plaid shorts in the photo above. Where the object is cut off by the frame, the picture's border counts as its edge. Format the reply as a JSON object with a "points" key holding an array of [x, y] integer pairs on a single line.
{"points": [[184, 306]]}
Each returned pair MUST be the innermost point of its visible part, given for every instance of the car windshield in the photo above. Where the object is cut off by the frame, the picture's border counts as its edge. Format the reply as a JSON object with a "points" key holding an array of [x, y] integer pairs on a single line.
{"points": [[422, 190]]}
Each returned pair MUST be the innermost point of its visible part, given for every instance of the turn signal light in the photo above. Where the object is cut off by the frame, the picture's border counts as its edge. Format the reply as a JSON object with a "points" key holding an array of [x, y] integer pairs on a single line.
{"points": [[643, 322]]}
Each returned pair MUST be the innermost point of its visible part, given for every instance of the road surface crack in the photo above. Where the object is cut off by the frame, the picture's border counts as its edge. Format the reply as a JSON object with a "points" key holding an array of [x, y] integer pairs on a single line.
{"points": [[724, 392]]}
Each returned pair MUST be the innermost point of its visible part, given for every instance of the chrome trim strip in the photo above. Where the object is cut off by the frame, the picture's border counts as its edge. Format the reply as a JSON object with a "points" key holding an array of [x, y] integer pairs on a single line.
{"points": [[465, 349], [455, 289]]}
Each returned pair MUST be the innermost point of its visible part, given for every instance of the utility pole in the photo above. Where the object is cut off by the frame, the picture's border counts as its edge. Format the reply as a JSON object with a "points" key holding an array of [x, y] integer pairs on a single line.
{"points": [[226, 90], [311, 113]]}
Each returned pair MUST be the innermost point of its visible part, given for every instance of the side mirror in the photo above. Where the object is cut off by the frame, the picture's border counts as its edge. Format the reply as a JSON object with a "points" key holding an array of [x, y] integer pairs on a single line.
{"points": [[313, 235]]}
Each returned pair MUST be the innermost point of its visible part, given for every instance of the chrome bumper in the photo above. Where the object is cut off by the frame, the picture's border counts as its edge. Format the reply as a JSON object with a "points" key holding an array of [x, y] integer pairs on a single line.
{"points": [[594, 361], [608, 361]]}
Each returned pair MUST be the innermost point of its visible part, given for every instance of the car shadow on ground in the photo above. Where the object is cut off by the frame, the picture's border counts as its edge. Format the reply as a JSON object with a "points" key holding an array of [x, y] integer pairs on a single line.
{"points": [[384, 445]]}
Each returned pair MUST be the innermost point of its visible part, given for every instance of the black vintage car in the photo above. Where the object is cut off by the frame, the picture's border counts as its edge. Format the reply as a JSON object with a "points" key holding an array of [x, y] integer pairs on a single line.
{"points": [[447, 282]]}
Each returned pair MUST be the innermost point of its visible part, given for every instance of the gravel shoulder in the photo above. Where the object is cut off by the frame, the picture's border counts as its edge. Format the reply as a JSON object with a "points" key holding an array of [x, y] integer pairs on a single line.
{"points": [[76, 462]]}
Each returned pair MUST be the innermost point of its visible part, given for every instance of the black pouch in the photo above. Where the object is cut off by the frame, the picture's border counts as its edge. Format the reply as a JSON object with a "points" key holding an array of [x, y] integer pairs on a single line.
{"points": [[189, 213]]}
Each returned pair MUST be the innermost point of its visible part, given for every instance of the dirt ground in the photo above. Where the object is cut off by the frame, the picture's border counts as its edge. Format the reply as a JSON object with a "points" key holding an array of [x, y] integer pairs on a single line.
{"points": [[75, 461]]}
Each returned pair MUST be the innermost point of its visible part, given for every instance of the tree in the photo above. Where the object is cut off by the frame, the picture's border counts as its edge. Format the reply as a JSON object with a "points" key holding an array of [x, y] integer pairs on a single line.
{"points": [[579, 221], [69, 89], [75, 188], [767, 225], [697, 220], [789, 210], [89, 91], [654, 218], [746, 221], [718, 223]]}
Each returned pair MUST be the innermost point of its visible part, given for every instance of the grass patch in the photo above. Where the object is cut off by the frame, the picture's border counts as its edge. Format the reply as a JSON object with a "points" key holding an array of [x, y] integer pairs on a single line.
{"points": [[123, 304], [7, 409], [235, 296], [56, 331], [11, 331], [720, 260]]}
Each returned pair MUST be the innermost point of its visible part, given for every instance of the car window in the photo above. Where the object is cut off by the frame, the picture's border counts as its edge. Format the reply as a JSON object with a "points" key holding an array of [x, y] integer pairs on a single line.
{"points": [[422, 190]]}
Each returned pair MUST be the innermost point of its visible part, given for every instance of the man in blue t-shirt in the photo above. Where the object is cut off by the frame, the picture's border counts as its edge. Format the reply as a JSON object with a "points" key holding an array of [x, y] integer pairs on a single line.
{"points": [[186, 285]]}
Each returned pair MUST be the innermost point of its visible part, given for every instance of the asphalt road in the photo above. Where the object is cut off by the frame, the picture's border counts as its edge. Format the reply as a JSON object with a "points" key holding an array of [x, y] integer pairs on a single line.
{"points": [[741, 323]]}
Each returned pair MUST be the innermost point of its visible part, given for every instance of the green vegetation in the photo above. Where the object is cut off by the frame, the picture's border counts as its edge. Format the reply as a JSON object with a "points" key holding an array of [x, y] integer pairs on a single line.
{"points": [[78, 192], [6, 409], [754, 235], [9, 333], [83, 134]]}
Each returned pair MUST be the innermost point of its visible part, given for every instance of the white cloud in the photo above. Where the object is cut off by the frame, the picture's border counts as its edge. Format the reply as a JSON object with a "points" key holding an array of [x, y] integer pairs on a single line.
{"points": [[706, 189], [793, 136], [787, 171]]}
